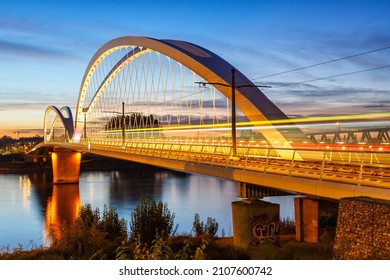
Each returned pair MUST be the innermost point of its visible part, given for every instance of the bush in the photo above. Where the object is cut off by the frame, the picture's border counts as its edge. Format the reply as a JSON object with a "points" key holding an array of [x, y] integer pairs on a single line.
{"points": [[209, 229], [287, 226], [151, 219], [92, 236]]}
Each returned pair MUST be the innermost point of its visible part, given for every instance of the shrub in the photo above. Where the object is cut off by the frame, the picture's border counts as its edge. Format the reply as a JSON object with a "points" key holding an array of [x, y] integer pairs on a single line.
{"points": [[112, 226], [151, 219], [92, 236], [197, 226], [209, 229], [287, 226]]}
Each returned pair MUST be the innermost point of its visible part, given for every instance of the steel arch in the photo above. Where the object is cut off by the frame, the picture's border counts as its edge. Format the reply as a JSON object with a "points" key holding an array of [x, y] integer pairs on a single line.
{"points": [[249, 99], [66, 121]]}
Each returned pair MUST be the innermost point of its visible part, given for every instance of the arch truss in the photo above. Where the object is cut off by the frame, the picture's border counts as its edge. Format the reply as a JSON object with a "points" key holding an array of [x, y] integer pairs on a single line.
{"points": [[167, 90], [62, 116]]}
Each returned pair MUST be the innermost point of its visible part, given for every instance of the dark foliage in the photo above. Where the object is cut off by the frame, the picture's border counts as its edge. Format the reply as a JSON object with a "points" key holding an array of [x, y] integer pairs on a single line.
{"points": [[150, 219], [209, 229]]}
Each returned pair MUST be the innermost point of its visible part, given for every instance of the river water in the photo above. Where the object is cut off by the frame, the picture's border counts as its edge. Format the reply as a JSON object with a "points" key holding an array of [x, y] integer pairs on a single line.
{"points": [[30, 205]]}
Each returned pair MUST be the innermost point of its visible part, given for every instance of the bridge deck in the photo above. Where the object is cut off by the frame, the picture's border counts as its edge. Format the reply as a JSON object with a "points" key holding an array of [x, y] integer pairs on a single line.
{"points": [[325, 173]]}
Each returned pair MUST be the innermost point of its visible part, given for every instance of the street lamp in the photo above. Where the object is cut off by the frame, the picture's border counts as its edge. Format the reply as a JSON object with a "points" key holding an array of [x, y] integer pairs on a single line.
{"points": [[123, 123], [233, 86], [85, 125]]}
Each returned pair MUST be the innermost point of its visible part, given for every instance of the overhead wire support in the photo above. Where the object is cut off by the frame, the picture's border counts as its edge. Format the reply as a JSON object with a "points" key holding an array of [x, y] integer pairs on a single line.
{"points": [[233, 114]]}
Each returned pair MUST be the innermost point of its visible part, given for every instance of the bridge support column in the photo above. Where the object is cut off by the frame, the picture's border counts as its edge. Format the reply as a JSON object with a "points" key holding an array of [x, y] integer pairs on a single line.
{"points": [[314, 219], [66, 166], [306, 219], [254, 222]]}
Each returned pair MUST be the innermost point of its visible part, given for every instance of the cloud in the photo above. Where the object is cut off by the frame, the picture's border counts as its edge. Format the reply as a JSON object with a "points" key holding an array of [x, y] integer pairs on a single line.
{"points": [[307, 99], [29, 50], [5, 106], [21, 132]]}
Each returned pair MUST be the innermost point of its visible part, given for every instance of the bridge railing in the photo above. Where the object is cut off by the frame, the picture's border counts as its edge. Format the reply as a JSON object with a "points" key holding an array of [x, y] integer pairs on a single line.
{"points": [[357, 167]]}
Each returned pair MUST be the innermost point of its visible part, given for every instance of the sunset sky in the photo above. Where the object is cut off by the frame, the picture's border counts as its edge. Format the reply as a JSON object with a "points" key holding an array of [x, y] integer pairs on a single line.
{"points": [[45, 47]]}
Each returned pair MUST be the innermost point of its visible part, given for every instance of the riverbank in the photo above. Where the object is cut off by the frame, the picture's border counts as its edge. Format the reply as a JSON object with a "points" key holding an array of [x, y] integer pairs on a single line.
{"points": [[216, 249], [19, 163], [17, 167]]}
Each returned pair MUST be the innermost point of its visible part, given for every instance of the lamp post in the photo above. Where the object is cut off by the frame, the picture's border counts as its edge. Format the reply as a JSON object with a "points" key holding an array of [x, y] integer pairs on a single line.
{"points": [[122, 120], [123, 123], [85, 125], [233, 116], [234, 134]]}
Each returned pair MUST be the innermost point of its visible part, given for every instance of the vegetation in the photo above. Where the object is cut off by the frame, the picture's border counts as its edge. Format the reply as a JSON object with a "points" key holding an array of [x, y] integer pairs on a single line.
{"points": [[209, 229], [96, 235], [92, 235], [287, 226], [151, 219], [132, 121], [9, 145]]}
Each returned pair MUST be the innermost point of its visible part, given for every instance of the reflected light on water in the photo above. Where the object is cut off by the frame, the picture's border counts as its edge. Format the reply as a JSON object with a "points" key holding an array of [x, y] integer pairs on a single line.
{"points": [[32, 206], [25, 185], [62, 207]]}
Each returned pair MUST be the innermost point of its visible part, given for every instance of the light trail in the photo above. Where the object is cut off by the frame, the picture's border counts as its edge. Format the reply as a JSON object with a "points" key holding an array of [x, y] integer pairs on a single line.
{"points": [[265, 123]]}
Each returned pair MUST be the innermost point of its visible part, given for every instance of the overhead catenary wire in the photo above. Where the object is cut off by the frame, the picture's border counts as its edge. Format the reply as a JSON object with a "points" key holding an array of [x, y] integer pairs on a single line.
{"points": [[333, 76], [322, 63]]}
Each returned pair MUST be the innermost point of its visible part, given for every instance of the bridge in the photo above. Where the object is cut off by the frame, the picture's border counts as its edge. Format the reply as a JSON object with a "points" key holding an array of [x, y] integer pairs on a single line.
{"points": [[177, 105]]}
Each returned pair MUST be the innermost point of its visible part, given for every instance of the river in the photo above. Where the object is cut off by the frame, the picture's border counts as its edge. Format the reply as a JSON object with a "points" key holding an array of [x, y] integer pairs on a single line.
{"points": [[30, 205]]}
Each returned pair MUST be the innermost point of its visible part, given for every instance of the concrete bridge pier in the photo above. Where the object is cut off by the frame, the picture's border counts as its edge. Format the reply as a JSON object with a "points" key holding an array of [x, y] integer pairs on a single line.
{"points": [[254, 222], [66, 166], [306, 219], [314, 218]]}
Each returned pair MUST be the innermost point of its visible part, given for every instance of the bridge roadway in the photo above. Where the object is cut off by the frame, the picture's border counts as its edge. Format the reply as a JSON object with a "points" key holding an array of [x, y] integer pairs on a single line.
{"points": [[332, 174]]}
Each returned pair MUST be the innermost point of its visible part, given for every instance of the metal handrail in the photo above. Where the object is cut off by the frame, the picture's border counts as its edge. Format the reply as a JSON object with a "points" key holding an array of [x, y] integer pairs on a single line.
{"points": [[357, 167]]}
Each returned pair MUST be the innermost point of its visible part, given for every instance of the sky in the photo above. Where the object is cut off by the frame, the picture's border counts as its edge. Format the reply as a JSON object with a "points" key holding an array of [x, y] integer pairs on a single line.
{"points": [[45, 47]]}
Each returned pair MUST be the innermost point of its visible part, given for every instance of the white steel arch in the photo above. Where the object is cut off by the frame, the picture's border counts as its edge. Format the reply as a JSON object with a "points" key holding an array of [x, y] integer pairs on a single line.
{"points": [[67, 121], [213, 69]]}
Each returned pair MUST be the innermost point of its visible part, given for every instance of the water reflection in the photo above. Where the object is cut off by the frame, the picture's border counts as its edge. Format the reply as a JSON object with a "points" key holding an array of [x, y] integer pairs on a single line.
{"points": [[62, 207], [58, 204], [185, 194], [31, 206]]}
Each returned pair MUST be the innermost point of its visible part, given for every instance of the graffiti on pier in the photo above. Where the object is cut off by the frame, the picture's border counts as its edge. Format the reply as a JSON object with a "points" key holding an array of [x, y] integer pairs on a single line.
{"points": [[264, 229]]}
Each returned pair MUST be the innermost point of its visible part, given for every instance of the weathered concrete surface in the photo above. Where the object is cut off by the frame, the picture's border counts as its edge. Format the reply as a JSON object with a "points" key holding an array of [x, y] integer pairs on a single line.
{"points": [[255, 222], [306, 219]]}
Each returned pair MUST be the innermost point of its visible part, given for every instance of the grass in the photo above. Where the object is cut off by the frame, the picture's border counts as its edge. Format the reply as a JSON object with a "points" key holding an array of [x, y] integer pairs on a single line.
{"points": [[215, 249]]}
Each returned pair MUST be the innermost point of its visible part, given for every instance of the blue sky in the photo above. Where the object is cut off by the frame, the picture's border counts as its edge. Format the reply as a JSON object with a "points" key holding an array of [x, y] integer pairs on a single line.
{"points": [[45, 47]]}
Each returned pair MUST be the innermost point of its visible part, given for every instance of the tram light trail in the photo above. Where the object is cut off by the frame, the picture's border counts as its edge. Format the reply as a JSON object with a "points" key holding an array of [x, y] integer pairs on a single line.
{"points": [[263, 124]]}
